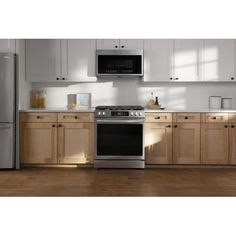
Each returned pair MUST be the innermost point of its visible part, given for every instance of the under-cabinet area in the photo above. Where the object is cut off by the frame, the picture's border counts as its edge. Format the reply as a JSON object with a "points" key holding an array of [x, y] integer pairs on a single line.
{"points": [[170, 138]]}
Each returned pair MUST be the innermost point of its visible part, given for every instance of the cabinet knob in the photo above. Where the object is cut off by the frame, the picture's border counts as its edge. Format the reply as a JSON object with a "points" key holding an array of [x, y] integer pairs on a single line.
{"points": [[171, 78], [185, 117], [168, 126], [122, 46], [157, 118], [116, 46], [53, 125], [232, 126], [226, 126], [76, 117], [175, 126], [214, 118], [38, 117], [57, 78], [232, 78], [176, 78], [59, 125], [63, 78]]}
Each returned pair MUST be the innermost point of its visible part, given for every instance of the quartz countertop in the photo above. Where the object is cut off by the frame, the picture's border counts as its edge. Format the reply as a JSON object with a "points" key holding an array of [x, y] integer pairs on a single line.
{"points": [[92, 109]]}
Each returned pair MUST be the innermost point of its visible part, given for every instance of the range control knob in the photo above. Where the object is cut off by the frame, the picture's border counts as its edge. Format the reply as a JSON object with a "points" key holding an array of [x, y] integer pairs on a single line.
{"points": [[104, 113], [99, 113], [140, 113], [136, 113], [131, 113]]}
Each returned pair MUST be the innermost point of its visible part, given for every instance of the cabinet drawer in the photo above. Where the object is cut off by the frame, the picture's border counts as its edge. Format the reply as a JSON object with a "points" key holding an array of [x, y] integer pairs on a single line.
{"points": [[158, 117], [38, 117], [214, 117], [186, 117], [232, 117], [76, 117]]}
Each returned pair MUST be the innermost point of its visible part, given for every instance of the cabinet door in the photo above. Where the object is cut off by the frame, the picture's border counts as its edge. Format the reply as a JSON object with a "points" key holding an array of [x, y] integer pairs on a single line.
{"points": [[108, 44], [219, 59], [214, 144], [232, 144], [43, 60], [38, 143], [75, 143], [158, 143], [78, 59], [188, 56], [158, 60], [186, 144], [8, 45], [131, 44]]}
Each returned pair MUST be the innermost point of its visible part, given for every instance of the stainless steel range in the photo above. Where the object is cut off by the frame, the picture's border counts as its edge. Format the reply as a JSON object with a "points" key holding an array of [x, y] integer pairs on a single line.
{"points": [[119, 137]]}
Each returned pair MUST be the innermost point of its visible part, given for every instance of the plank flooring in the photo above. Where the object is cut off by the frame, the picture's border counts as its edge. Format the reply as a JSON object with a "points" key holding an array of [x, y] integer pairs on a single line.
{"points": [[117, 182]]}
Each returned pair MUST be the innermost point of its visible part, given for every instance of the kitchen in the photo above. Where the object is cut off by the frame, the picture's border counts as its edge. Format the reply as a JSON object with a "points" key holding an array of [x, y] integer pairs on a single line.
{"points": [[117, 79]]}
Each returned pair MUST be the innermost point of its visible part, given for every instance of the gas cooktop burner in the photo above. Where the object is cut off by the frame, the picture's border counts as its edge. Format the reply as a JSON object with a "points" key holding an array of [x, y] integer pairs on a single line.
{"points": [[127, 108]]}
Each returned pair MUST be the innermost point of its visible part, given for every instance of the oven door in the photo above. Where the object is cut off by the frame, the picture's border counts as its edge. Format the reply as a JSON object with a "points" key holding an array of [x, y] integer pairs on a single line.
{"points": [[119, 139]]}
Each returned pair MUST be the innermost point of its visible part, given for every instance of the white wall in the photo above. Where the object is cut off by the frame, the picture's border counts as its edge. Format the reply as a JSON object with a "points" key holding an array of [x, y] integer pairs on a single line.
{"points": [[134, 92]]}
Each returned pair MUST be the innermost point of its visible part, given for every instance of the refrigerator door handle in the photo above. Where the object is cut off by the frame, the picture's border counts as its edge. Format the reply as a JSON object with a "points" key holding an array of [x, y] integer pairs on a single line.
{"points": [[5, 126]]}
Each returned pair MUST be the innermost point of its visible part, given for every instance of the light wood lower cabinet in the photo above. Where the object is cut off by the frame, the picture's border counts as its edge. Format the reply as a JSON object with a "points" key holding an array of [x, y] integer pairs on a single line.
{"points": [[75, 143], [186, 143], [232, 144], [38, 143], [158, 143], [214, 143]]}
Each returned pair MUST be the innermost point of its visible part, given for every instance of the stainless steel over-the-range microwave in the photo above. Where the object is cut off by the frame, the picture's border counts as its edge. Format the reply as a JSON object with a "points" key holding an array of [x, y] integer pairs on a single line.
{"points": [[119, 63]]}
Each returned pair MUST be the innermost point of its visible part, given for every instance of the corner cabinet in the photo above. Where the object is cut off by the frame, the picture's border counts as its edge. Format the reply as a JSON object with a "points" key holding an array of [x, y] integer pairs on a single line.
{"points": [[54, 60], [56, 138]]}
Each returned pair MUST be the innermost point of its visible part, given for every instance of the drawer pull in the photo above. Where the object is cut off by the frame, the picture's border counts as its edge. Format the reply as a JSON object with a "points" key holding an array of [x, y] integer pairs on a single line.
{"points": [[53, 125], [185, 117], [59, 125], [214, 118], [232, 126], [38, 117], [226, 126], [157, 118], [76, 117], [168, 126], [175, 126]]}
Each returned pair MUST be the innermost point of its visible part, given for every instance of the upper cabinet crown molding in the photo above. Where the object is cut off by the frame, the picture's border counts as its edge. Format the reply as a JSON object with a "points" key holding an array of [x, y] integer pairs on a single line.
{"points": [[119, 44], [8, 45], [53, 60]]}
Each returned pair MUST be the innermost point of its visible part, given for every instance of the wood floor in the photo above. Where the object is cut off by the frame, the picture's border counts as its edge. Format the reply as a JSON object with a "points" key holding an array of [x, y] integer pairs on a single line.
{"points": [[116, 182]]}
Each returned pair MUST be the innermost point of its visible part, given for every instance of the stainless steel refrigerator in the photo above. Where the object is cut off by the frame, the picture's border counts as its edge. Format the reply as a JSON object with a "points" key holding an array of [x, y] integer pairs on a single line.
{"points": [[7, 111]]}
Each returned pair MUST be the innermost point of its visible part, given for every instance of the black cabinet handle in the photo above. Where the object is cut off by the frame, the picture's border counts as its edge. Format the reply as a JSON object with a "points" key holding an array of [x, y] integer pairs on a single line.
{"points": [[232, 78], [185, 117], [76, 117], [38, 117], [63, 78], [122, 46], [157, 118], [168, 126], [171, 78], [57, 78], [226, 126], [116, 46], [175, 126], [53, 125], [177, 78], [214, 118], [59, 125], [232, 126]]}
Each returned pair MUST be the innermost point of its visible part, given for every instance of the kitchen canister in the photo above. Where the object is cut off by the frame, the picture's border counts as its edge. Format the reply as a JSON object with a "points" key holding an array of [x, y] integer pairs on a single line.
{"points": [[226, 103], [215, 102]]}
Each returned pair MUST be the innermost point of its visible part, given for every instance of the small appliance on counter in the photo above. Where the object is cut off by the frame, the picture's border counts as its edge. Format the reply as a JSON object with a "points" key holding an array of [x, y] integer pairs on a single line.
{"points": [[215, 102], [226, 103], [79, 101]]}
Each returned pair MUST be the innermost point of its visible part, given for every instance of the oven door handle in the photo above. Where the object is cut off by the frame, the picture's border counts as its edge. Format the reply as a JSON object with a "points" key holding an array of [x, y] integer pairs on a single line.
{"points": [[117, 121]]}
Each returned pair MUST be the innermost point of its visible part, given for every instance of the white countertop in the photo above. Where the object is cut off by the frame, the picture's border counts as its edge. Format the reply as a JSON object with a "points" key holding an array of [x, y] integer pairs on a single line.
{"points": [[57, 109], [92, 109]]}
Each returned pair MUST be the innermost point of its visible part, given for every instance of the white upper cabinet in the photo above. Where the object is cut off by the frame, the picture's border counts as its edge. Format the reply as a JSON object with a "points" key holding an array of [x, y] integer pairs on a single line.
{"points": [[126, 44], [43, 60], [219, 59], [104, 44], [131, 44], [78, 64], [158, 60], [52, 60], [8, 45], [188, 57]]}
